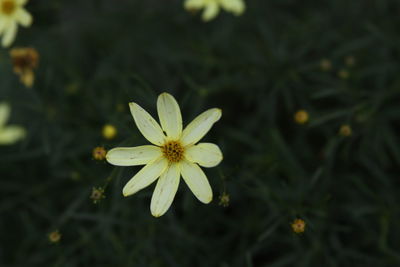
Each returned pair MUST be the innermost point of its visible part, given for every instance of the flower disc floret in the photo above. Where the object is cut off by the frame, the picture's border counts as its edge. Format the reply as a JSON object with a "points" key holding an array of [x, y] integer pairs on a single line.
{"points": [[173, 151], [8, 7]]}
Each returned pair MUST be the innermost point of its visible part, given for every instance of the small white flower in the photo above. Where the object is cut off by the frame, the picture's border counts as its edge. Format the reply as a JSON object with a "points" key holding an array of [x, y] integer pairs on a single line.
{"points": [[12, 12], [11, 133], [212, 7], [174, 153]]}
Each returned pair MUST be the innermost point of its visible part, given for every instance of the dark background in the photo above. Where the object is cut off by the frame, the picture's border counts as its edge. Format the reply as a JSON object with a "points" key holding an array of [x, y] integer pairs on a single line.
{"points": [[259, 68]]}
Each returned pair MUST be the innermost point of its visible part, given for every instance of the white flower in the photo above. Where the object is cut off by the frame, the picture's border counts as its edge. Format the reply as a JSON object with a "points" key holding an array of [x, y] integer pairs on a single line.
{"points": [[12, 12], [8, 134], [174, 153], [212, 7]]}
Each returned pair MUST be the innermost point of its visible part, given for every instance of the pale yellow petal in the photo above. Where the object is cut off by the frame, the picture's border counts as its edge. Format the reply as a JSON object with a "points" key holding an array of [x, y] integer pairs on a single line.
{"points": [[11, 134], [237, 7], [131, 156], [4, 113], [196, 181], [23, 17], [165, 190], [147, 175], [9, 33], [170, 115], [150, 129], [200, 126], [211, 10], [193, 4], [205, 154], [21, 2], [27, 78], [3, 24]]}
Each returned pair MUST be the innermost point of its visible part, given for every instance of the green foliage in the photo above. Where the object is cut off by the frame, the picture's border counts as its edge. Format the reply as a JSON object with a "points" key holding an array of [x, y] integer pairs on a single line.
{"points": [[259, 68]]}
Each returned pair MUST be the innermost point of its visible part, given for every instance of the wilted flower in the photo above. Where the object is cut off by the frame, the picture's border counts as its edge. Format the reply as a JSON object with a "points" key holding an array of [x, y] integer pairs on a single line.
{"points": [[99, 153], [25, 60], [174, 153], [298, 226], [301, 116], [12, 12], [212, 7], [11, 133], [109, 131]]}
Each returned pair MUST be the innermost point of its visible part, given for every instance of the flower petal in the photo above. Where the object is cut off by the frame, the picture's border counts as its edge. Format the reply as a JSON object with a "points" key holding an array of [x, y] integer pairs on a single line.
{"points": [[205, 154], [197, 181], [165, 190], [21, 2], [200, 126], [4, 113], [210, 11], [170, 115], [23, 17], [131, 156], [11, 134], [150, 129], [237, 7], [9, 33], [147, 175], [193, 4], [3, 24]]}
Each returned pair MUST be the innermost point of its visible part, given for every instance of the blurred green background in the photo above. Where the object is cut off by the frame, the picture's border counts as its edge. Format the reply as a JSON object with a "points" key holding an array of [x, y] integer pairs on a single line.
{"points": [[337, 60]]}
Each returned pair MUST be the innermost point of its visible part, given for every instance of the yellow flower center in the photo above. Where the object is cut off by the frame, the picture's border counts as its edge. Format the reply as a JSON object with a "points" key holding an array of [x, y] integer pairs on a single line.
{"points": [[8, 7], [173, 151]]}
